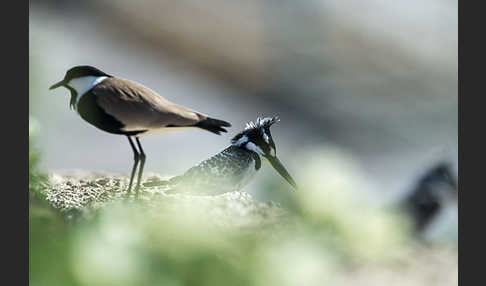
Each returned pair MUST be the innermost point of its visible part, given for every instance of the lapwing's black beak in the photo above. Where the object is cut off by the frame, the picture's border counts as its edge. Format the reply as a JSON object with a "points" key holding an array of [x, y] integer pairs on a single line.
{"points": [[277, 165], [61, 83]]}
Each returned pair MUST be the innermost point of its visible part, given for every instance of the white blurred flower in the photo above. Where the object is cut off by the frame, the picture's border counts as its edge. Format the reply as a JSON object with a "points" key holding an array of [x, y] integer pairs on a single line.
{"points": [[334, 196], [107, 254], [294, 262], [330, 181], [34, 126]]}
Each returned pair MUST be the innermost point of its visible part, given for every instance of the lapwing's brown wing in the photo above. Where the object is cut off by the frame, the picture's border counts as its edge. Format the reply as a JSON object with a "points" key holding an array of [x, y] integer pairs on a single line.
{"points": [[140, 108]]}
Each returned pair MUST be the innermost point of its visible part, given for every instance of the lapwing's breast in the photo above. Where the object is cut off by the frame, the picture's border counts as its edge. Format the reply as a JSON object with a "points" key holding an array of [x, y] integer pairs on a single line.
{"points": [[229, 170], [90, 111]]}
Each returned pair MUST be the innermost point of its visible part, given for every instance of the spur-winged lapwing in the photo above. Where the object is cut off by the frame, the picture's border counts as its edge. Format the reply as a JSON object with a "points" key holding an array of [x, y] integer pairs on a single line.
{"points": [[124, 107], [234, 167]]}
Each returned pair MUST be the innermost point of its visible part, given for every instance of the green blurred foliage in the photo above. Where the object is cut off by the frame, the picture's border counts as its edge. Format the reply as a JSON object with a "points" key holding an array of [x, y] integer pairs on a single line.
{"points": [[327, 230], [37, 179], [48, 233]]}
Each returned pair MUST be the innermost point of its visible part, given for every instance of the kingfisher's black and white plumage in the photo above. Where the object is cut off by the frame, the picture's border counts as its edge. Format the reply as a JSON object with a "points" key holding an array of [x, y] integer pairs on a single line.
{"points": [[232, 168], [433, 201], [124, 107]]}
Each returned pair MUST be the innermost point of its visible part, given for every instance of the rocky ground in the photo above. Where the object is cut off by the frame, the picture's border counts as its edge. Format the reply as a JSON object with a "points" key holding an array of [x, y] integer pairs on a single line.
{"points": [[81, 196]]}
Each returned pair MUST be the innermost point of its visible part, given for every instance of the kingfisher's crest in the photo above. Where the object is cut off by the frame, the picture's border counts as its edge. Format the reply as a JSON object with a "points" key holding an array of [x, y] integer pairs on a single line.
{"points": [[262, 122], [259, 128]]}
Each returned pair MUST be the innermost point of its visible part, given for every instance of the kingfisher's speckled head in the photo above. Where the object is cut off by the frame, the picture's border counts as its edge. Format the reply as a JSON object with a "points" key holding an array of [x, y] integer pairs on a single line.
{"points": [[257, 138]]}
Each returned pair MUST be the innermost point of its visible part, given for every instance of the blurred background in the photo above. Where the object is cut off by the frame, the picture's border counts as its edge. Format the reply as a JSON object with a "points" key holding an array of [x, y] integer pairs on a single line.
{"points": [[373, 81]]}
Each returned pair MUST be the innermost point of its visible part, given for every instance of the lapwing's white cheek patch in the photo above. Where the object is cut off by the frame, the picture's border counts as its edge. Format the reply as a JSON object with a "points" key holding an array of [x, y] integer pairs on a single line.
{"points": [[83, 84]]}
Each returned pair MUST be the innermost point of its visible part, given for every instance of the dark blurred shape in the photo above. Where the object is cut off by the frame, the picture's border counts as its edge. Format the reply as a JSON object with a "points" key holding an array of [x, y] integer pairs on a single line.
{"points": [[431, 193]]}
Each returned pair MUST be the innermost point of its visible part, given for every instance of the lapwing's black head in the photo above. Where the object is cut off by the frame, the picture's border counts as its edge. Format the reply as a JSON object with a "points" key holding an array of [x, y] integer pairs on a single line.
{"points": [[78, 79], [257, 138]]}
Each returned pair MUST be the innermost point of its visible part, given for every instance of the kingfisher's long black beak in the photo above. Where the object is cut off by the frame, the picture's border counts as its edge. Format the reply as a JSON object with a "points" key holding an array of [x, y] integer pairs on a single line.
{"points": [[56, 85], [277, 165]]}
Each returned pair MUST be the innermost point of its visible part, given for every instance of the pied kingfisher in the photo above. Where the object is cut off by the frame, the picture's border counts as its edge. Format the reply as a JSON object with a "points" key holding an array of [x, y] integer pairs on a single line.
{"points": [[232, 168]]}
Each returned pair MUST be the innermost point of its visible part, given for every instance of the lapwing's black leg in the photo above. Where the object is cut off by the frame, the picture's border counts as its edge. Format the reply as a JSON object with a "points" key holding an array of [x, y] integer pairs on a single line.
{"points": [[142, 163], [136, 157]]}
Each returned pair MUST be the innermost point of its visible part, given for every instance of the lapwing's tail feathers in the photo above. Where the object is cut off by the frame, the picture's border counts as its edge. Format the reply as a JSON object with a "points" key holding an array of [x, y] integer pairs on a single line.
{"points": [[213, 125]]}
